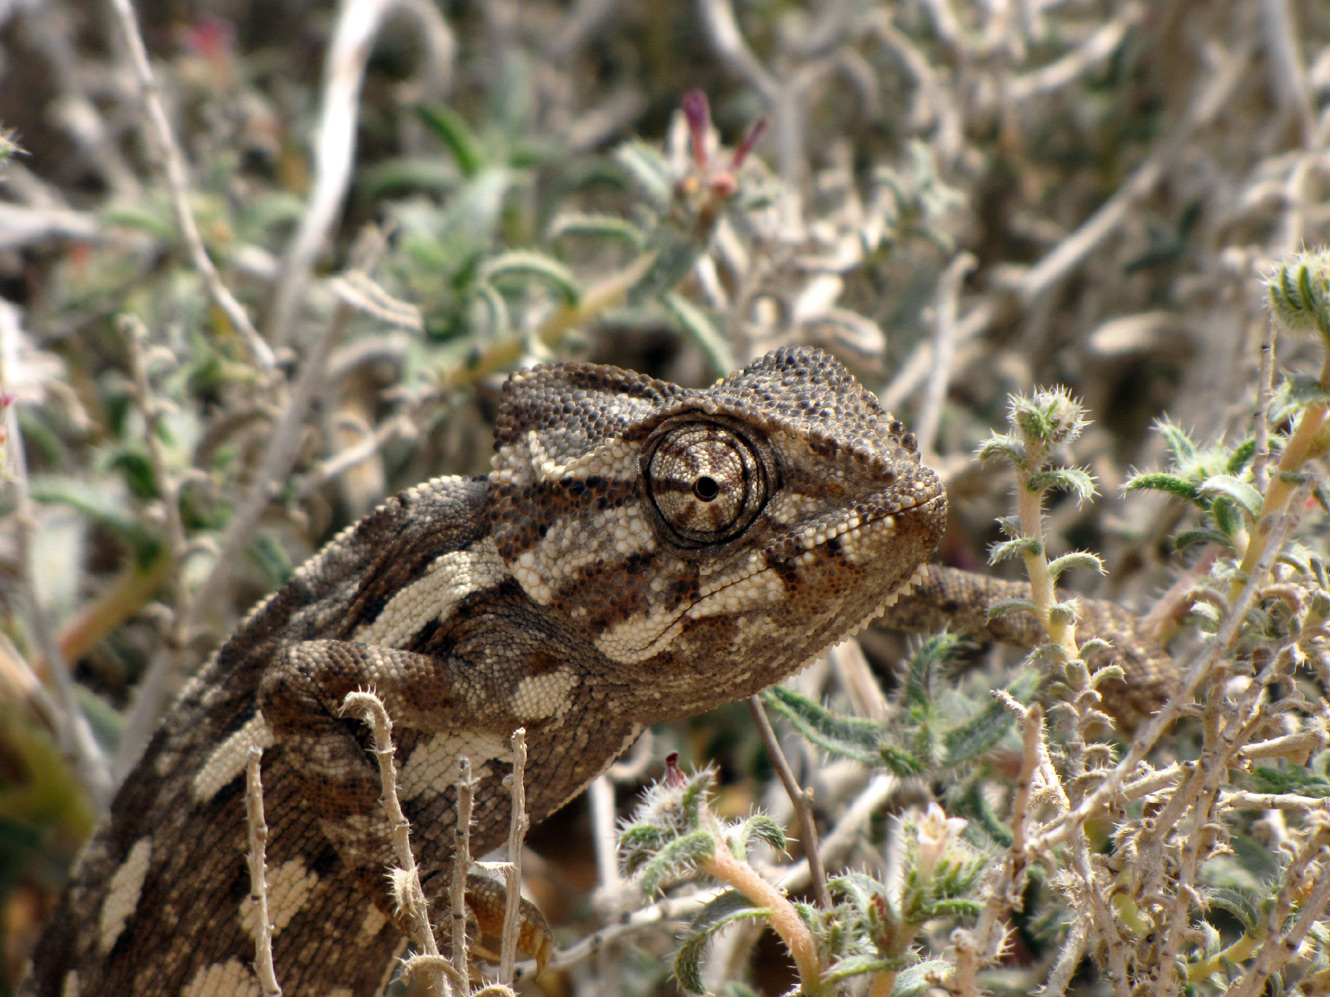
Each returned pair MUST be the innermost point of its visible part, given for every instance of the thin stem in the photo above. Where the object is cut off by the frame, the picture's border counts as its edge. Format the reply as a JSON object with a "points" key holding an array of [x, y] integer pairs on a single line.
{"points": [[785, 920], [799, 797]]}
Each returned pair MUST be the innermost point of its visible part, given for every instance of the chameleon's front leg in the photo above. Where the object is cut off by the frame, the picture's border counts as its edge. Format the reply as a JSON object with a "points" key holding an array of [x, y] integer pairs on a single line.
{"points": [[442, 708]]}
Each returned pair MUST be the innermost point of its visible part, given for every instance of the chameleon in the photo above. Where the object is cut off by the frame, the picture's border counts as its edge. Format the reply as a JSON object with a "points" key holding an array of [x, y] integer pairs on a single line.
{"points": [[638, 552]]}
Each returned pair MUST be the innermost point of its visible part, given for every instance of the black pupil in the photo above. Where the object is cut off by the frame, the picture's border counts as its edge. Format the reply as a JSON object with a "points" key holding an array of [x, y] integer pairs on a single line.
{"points": [[706, 488]]}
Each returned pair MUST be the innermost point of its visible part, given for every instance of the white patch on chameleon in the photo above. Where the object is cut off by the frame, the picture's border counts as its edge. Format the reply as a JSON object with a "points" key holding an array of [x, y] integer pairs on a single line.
{"points": [[573, 543], [122, 894], [432, 766], [374, 921], [614, 460], [223, 979], [447, 580], [228, 759], [70, 986], [644, 635], [289, 887], [539, 697]]}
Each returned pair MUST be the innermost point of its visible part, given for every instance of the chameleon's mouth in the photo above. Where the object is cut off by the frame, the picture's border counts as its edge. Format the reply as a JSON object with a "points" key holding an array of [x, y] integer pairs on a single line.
{"points": [[857, 537]]}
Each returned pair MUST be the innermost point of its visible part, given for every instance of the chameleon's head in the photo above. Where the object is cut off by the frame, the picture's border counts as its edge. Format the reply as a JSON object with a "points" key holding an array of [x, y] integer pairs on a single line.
{"points": [[711, 541]]}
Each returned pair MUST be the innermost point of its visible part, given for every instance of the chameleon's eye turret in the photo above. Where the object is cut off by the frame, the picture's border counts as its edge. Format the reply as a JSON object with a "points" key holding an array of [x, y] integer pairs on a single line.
{"points": [[707, 481]]}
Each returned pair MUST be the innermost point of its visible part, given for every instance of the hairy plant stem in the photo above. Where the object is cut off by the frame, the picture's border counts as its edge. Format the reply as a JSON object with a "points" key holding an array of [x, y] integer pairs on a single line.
{"points": [[785, 920]]}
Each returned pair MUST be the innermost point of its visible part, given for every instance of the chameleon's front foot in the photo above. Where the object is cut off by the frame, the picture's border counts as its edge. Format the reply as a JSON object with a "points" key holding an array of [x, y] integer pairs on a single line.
{"points": [[486, 900]]}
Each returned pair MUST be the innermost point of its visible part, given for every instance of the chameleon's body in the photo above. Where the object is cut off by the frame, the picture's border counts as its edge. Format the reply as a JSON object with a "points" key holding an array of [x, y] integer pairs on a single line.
{"points": [[639, 552]]}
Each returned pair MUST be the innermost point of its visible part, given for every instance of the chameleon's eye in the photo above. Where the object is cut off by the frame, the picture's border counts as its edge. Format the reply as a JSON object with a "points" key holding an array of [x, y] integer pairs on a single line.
{"points": [[706, 480]]}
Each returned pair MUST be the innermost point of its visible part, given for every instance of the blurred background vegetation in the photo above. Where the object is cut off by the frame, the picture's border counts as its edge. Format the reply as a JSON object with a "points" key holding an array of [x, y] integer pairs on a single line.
{"points": [[395, 203]]}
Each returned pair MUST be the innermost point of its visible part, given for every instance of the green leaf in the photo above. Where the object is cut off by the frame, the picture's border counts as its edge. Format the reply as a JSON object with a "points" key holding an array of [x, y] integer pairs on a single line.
{"points": [[861, 965], [1173, 484], [981, 732], [1002, 446], [763, 828], [973, 804], [1075, 481], [850, 737], [1076, 559], [1237, 903], [596, 226], [955, 907], [697, 326], [1241, 456], [499, 322], [1006, 607], [528, 264], [933, 653], [638, 843], [900, 762], [729, 908], [1177, 441], [1020, 547], [916, 980], [1241, 493], [677, 859], [1188, 539], [456, 134], [647, 167], [1289, 780]]}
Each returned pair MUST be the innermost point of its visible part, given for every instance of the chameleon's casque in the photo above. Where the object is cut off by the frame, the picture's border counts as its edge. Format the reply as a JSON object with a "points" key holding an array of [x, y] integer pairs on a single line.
{"points": [[639, 551]]}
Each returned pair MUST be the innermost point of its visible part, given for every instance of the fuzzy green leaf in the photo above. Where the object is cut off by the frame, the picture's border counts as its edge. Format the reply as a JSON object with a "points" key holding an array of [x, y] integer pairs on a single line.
{"points": [[1075, 481], [1062, 612], [899, 762], [861, 965], [918, 979], [677, 859], [596, 226], [1188, 539], [729, 908], [1177, 441], [973, 804], [954, 907], [1002, 446], [931, 654], [981, 732], [1290, 780], [638, 843], [453, 131], [1020, 547], [1006, 607], [849, 737], [1076, 559], [526, 264], [763, 828], [648, 170], [1241, 456], [697, 325], [1237, 903], [1107, 673], [1174, 484], [1241, 493]]}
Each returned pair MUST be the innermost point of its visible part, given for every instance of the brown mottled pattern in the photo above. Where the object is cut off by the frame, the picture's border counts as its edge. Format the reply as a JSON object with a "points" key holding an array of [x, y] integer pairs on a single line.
{"points": [[640, 551]]}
